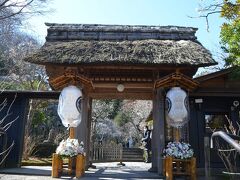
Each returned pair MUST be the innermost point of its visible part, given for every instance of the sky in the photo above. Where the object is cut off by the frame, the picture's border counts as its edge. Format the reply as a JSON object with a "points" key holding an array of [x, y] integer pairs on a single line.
{"points": [[131, 12]]}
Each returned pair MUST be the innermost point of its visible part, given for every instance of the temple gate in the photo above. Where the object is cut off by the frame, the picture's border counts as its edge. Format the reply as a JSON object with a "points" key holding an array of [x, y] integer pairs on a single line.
{"points": [[122, 62]]}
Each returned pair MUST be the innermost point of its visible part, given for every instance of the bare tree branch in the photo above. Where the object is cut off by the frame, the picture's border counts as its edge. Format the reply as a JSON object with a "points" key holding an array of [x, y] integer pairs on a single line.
{"points": [[3, 105], [4, 128], [6, 152], [206, 16], [3, 3], [9, 108], [14, 8], [8, 125]]}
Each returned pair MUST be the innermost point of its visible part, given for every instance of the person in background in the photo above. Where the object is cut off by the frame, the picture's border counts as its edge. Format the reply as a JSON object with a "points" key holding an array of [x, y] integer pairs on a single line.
{"points": [[130, 142], [147, 142]]}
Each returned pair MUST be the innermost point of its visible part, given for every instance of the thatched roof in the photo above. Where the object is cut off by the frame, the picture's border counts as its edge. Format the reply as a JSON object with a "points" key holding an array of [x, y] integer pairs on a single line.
{"points": [[114, 44], [183, 52]]}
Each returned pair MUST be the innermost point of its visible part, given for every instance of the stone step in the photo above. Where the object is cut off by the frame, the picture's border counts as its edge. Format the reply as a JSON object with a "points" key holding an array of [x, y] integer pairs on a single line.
{"points": [[132, 149], [132, 160], [132, 154]]}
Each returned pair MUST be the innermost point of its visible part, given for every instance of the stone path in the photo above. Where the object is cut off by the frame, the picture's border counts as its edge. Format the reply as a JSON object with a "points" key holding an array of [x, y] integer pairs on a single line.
{"points": [[103, 171]]}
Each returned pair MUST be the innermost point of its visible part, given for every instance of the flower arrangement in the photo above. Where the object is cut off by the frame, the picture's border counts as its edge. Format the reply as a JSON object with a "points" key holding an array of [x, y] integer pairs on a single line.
{"points": [[70, 148], [179, 150]]}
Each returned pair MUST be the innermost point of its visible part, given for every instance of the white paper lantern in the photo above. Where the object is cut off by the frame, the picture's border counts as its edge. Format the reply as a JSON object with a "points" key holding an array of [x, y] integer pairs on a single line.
{"points": [[177, 107], [69, 106]]}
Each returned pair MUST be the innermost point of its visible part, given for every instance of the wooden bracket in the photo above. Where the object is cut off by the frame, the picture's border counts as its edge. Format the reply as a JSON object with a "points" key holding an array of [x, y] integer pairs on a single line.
{"points": [[70, 77], [176, 79]]}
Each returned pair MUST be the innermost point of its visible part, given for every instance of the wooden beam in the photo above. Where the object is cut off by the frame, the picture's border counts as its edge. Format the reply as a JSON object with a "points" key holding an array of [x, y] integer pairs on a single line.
{"points": [[54, 70], [90, 76], [129, 90], [111, 95], [127, 85], [120, 79]]}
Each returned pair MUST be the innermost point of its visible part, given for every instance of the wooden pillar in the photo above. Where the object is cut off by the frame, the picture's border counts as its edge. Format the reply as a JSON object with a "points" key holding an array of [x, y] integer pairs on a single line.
{"points": [[89, 122], [71, 133], [82, 131], [80, 169], [177, 134], [168, 168], [193, 169], [55, 165], [158, 135]]}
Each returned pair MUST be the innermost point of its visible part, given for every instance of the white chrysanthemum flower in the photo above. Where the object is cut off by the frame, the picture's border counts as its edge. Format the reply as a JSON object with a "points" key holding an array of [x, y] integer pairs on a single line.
{"points": [[70, 147], [178, 150]]}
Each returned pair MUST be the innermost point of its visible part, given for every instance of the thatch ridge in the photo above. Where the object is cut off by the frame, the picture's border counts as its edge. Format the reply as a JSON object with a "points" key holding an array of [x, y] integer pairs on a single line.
{"points": [[123, 28], [183, 52], [68, 32]]}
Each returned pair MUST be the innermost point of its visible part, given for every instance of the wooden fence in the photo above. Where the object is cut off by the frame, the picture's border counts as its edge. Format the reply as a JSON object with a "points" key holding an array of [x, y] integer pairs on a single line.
{"points": [[106, 152]]}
